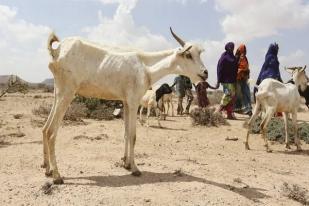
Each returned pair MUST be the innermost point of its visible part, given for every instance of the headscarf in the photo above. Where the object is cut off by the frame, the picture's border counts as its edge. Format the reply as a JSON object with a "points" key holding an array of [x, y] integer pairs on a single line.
{"points": [[242, 63], [270, 68], [227, 68]]}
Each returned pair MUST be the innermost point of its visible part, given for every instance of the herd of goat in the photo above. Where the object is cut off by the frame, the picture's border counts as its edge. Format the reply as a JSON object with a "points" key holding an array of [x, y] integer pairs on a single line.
{"points": [[107, 72]]}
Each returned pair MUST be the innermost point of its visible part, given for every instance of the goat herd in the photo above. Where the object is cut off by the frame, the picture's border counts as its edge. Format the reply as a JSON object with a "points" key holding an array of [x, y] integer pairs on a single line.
{"points": [[106, 72]]}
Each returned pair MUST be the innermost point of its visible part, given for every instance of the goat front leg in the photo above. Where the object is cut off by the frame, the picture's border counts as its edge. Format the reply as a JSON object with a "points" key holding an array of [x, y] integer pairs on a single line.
{"points": [[158, 116], [141, 116], [148, 114], [296, 138], [286, 119], [125, 159], [132, 139]]}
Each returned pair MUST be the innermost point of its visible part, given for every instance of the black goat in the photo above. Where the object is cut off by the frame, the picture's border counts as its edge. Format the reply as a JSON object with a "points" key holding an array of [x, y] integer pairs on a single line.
{"points": [[163, 89]]}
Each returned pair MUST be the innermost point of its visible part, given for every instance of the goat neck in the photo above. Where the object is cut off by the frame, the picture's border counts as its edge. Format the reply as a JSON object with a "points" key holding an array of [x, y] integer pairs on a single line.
{"points": [[151, 58], [162, 68]]}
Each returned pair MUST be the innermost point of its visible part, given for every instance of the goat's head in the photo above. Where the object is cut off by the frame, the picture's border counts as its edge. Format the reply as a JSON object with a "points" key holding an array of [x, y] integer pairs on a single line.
{"points": [[299, 76], [188, 59]]}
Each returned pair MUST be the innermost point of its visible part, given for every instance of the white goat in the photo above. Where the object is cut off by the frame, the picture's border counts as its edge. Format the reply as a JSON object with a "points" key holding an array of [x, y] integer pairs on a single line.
{"points": [[274, 96], [83, 68], [154, 99], [149, 101]]}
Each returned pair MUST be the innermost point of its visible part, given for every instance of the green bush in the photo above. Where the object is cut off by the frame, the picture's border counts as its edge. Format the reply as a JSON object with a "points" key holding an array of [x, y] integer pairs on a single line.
{"points": [[276, 131], [82, 107]]}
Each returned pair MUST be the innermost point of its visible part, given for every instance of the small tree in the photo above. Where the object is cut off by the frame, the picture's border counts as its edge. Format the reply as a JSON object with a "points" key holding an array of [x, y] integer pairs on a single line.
{"points": [[14, 85]]}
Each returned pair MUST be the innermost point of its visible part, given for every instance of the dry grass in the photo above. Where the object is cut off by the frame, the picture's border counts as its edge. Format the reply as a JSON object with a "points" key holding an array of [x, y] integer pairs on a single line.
{"points": [[207, 117], [296, 193], [18, 116]]}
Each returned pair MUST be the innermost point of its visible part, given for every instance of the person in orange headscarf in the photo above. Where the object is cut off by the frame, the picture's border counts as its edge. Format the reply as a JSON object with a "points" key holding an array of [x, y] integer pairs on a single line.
{"points": [[243, 96]]}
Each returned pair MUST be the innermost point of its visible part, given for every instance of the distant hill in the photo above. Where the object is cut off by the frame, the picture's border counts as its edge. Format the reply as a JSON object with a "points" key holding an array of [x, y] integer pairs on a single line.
{"points": [[48, 82], [4, 80]]}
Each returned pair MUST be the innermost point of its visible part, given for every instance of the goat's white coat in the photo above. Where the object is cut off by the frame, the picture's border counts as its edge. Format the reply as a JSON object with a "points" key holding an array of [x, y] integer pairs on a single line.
{"points": [[149, 101], [274, 96], [83, 68], [167, 99]]}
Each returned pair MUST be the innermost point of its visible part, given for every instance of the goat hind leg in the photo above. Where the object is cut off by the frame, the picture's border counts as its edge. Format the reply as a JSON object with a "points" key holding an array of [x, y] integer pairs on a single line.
{"points": [[248, 124], [45, 140], [61, 106], [296, 138], [126, 163], [286, 118], [264, 125]]}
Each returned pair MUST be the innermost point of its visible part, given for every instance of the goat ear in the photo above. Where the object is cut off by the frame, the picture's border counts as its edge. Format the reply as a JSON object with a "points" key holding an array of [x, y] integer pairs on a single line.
{"points": [[289, 70], [181, 52]]}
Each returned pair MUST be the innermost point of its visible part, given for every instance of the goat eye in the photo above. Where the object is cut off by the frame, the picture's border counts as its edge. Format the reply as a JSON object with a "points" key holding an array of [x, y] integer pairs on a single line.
{"points": [[188, 56]]}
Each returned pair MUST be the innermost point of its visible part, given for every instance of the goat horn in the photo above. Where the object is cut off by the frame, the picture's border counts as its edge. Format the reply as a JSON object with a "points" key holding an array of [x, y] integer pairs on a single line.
{"points": [[180, 41], [305, 67]]}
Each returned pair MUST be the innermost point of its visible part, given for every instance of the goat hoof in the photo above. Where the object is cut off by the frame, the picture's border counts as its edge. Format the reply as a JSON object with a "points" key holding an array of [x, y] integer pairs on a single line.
{"points": [[287, 146], [127, 166], [58, 181], [269, 150], [49, 173], [298, 149], [136, 173], [44, 165], [247, 146]]}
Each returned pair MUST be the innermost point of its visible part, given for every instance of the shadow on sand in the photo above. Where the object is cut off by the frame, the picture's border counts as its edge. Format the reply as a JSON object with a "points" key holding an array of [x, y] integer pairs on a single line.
{"points": [[168, 128], [294, 152], [151, 178]]}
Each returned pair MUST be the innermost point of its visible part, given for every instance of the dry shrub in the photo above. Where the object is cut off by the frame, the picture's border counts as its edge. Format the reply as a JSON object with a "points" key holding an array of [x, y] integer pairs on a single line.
{"points": [[102, 112], [276, 131], [37, 96], [83, 108], [296, 193], [76, 112], [207, 117], [18, 116], [48, 89], [37, 123], [42, 110]]}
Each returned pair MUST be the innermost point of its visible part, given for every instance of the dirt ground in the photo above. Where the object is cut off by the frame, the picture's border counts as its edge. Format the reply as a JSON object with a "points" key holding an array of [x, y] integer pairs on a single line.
{"points": [[181, 164]]}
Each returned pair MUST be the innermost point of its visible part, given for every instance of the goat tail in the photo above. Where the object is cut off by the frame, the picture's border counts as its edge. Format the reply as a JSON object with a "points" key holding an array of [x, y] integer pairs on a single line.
{"points": [[51, 39], [261, 94]]}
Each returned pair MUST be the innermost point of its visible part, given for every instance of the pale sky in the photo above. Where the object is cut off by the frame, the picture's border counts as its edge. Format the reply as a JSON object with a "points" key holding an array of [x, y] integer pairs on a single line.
{"points": [[144, 24]]}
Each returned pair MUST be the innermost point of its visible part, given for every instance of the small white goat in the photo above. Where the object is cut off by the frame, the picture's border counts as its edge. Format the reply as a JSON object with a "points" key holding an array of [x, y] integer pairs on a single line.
{"points": [[154, 99], [167, 100], [84, 68], [274, 96]]}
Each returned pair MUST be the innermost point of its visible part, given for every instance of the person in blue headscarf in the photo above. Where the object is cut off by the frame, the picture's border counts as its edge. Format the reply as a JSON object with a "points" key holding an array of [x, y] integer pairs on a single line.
{"points": [[270, 68]]}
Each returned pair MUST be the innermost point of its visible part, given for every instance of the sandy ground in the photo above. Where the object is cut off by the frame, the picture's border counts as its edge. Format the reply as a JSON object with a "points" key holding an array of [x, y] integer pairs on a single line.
{"points": [[181, 164]]}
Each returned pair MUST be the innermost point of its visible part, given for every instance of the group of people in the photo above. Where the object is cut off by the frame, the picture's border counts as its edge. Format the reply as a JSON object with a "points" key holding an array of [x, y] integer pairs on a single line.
{"points": [[233, 74]]}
